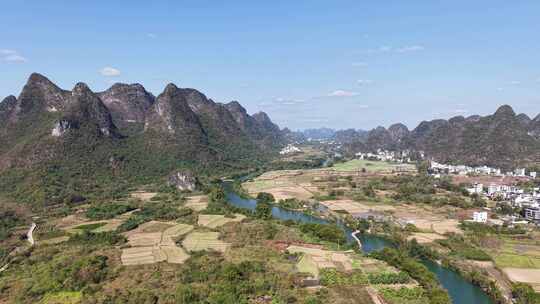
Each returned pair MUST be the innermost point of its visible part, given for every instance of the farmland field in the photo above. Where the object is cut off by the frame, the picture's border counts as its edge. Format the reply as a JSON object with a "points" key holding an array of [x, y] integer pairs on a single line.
{"points": [[370, 166], [214, 221], [198, 241], [517, 254], [197, 203]]}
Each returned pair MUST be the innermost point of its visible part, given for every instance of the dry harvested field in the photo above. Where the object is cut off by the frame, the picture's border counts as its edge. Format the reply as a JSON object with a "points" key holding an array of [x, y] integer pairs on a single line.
{"points": [[524, 275], [425, 238], [153, 242], [487, 180], [71, 222], [282, 184], [53, 241], [214, 221], [141, 255], [315, 259], [143, 195], [198, 241], [305, 184], [428, 219], [197, 203], [351, 206]]}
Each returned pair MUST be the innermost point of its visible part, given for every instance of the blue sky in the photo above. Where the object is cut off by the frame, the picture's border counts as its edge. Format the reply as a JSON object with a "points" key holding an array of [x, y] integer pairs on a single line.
{"points": [[341, 64]]}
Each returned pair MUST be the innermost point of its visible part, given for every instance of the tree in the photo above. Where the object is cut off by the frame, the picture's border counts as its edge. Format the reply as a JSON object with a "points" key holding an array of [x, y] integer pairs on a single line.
{"points": [[263, 210], [217, 194], [265, 197]]}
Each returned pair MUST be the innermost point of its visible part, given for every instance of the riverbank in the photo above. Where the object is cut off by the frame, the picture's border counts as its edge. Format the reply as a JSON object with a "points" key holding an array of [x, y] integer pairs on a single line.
{"points": [[455, 290]]}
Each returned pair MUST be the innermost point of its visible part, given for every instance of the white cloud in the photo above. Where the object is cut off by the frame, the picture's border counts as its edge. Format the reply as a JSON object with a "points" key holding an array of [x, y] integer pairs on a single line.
{"points": [[390, 49], [110, 72], [151, 35], [359, 64], [515, 82], [364, 82], [11, 56], [342, 93], [288, 101], [411, 48]]}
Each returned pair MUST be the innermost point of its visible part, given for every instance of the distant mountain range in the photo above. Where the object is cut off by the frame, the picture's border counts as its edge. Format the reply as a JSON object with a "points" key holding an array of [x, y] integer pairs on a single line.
{"points": [[504, 139], [124, 132]]}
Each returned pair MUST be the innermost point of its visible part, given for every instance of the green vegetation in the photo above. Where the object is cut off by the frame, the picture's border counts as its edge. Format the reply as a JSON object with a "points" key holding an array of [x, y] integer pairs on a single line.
{"points": [[332, 277], [265, 197], [389, 278], [107, 211], [460, 247], [263, 210], [210, 279], [483, 229], [417, 271], [217, 202], [56, 276], [63, 297], [405, 295], [90, 227], [155, 211], [324, 232], [102, 238], [8, 220], [524, 294], [291, 204]]}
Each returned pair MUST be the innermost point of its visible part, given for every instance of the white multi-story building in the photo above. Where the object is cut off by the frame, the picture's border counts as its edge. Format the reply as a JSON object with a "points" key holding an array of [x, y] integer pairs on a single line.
{"points": [[519, 172], [476, 189], [290, 149], [480, 217], [532, 213]]}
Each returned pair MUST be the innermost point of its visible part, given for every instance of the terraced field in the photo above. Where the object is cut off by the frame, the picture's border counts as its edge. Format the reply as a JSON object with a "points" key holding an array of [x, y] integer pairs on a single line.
{"points": [[155, 246], [214, 221], [197, 203], [198, 241]]}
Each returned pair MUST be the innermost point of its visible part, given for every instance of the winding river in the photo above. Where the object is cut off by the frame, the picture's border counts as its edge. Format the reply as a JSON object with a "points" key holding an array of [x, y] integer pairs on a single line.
{"points": [[460, 290]]}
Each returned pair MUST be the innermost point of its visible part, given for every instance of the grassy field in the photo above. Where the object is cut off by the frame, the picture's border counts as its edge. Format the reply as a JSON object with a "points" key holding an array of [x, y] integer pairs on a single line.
{"points": [[517, 254], [307, 265], [198, 241], [516, 261], [370, 166], [63, 297]]}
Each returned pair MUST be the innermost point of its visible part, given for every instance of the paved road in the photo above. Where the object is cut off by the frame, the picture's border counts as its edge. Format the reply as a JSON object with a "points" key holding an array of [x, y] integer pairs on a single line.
{"points": [[30, 234]]}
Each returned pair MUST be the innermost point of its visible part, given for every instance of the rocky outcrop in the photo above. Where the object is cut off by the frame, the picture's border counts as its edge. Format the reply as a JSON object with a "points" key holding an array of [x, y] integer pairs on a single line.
{"points": [[128, 103], [183, 180], [172, 114], [60, 128], [86, 110]]}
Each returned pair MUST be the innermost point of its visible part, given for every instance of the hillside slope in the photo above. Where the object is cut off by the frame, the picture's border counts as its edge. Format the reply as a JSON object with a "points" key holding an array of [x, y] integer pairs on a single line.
{"points": [[57, 143]]}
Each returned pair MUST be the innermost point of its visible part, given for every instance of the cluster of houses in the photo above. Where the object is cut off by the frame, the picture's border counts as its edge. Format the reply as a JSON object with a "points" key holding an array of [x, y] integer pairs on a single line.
{"points": [[438, 168], [516, 197], [526, 200], [290, 149], [404, 156]]}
